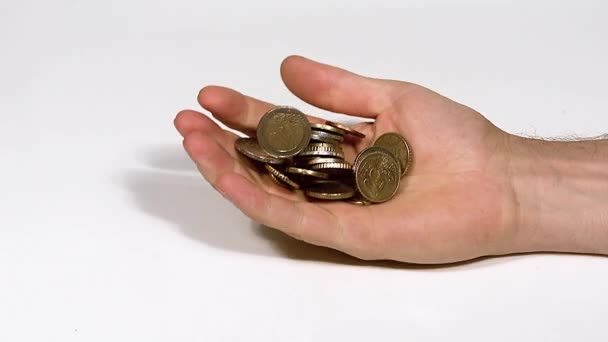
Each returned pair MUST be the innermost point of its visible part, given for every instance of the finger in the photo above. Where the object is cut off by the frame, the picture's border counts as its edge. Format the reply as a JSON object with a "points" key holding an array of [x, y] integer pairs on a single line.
{"points": [[303, 220], [188, 121], [210, 157], [335, 89], [213, 152], [234, 109]]}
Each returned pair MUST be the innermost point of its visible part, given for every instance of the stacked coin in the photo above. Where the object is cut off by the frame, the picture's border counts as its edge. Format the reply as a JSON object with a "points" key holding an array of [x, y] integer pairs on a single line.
{"points": [[301, 155]]}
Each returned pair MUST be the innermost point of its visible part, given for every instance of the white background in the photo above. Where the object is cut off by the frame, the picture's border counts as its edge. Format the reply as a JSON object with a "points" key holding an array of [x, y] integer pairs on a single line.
{"points": [[107, 233]]}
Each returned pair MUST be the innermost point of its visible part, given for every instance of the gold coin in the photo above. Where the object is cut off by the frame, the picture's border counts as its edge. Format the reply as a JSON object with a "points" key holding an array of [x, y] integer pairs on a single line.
{"points": [[327, 128], [322, 150], [325, 137], [321, 146], [333, 167], [319, 160], [323, 153], [368, 150], [377, 176], [305, 172], [306, 161], [358, 200], [281, 177], [398, 146], [250, 148], [279, 182], [329, 190], [345, 128], [283, 132]]}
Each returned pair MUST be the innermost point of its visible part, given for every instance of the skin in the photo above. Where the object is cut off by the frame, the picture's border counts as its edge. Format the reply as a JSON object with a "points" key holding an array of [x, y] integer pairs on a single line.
{"points": [[474, 190]]}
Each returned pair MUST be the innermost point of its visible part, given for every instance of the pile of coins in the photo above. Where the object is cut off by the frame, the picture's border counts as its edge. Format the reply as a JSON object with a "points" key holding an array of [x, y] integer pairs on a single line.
{"points": [[307, 156]]}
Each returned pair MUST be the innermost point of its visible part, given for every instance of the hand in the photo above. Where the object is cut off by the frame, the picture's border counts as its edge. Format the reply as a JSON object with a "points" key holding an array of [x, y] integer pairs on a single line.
{"points": [[455, 203]]}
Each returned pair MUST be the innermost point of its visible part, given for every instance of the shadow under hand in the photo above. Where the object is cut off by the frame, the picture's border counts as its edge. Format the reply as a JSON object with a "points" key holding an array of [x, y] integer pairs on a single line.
{"points": [[196, 209], [299, 250], [199, 212], [166, 157]]}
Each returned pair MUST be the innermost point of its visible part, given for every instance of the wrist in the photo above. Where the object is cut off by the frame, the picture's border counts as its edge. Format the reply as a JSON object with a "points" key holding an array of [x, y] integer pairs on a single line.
{"points": [[561, 195]]}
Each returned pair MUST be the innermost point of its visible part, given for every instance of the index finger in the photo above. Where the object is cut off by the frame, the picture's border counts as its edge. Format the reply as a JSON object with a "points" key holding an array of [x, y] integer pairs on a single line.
{"points": [[236, 110]]}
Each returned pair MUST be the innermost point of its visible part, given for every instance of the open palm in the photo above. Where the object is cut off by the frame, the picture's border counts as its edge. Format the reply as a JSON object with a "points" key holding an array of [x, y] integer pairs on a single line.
{"points": [[455, 202]]}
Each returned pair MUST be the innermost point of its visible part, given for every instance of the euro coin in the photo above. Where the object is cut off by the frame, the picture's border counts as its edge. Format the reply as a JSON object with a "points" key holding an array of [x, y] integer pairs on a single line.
{"points": [[329, 190], [348, 130], [282, 177], [306, 172], [250, 148], [398, 147], [377, 176], [283, 132], [325, 137], [339, 167], [358, 200], [323, 150], [319, 160], [368, 150], [327, 128]]}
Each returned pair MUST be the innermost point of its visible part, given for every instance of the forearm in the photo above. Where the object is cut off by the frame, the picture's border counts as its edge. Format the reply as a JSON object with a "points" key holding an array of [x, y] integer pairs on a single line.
{"points": [[561, 192]]}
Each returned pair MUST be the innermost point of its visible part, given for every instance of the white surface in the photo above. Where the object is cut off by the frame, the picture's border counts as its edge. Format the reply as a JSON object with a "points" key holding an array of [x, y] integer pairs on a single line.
{"points": [[108, 234]]}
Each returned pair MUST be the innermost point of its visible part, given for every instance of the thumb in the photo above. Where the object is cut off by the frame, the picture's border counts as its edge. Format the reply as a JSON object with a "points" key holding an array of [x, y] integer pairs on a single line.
{"points": [[334, 89]]}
